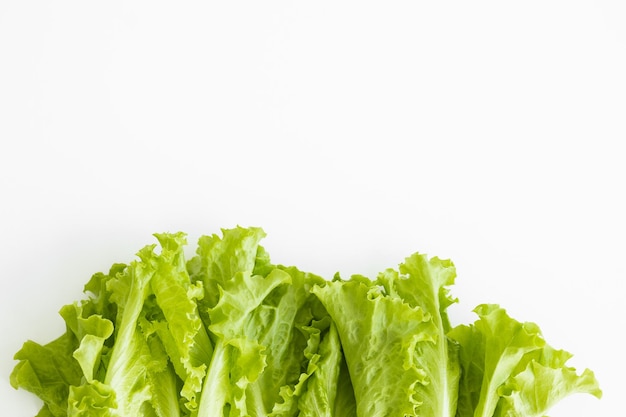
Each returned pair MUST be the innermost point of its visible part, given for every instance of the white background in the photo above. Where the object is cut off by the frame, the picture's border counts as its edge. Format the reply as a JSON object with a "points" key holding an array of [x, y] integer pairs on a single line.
{"points": [[353, 133]]}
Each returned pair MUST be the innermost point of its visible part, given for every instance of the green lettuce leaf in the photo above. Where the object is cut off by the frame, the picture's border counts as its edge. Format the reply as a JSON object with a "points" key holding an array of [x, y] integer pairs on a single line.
{"points": [[423, 283], [532, 392], [219, 259], [179, 326], [92, 399], [268, 331], [509, 370], [345, 403], [126, 370], [325, 390], [48, 371], [218, 262], [379, 335], [393, 335], [130, 360]]}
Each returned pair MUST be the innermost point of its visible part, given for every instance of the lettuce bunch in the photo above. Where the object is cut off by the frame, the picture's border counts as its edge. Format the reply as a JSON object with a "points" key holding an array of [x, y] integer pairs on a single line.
{"points": [[230, 334]]}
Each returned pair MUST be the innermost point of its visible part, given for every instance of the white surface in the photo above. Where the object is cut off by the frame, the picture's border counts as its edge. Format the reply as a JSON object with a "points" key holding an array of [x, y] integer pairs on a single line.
{"points": [[353, 133]]}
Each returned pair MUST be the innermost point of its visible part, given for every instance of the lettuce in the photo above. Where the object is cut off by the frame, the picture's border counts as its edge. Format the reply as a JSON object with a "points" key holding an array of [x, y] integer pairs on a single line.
{"points": [[228, 334], [510, 371], [270, 331], [393, 332]]}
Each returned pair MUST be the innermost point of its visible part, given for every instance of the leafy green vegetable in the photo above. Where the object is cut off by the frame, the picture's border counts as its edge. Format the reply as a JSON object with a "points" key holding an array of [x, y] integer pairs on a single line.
{"points": [[509, 370], [393, 332], [266, 325], [231, 334], [48, 371]]}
